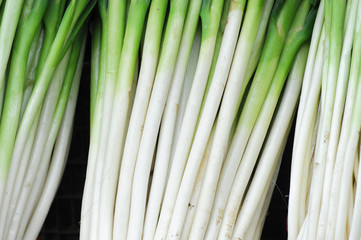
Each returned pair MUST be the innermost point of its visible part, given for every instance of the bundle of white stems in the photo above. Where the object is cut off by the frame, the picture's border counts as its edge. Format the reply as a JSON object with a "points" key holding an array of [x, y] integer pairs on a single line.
{"points": [[325, 194]]}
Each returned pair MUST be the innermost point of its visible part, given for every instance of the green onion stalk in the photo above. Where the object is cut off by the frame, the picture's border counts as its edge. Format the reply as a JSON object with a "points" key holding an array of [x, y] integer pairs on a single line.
{"points": [[349, 150], [148, 65], [210, 15], [257, 220], [313, 67], [31, 160], [113, 27], [202, 133], [45, 77], [186, 88], [220, 198], [119, 110], [170, 115], [162, 82], [2, 96], [9, 21], [323, 146], [14, 92], [304, 142], [233, 92], [338, 109], [273, 144], [347, 176], [58, 159], [46, 178], [194, 201], [183, 146], [334, 16], [258, 42], [38, 167], [96, 30], [295, 220], [247, 129], [355, 232], [14, 184], [316, 34], [343, 163], [13, 100], [33, 60], [89, 209], [14, 152], [345, 132], [217, 47], [256, 228]]}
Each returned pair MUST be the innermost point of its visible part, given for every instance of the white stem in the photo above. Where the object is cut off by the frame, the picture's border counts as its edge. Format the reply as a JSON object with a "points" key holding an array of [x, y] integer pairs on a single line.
{"points": [[273, 145], [151, 127], [20, 164], [336, 121], [26, 155], [311, 59], [262, 209], [99, 157], [138, 113], [186, 89], [236, 85], [246, 157], [346, 184], [344, 135], [37, 151], [29, 203], [167, 130], [56, 168], [193, 203], [307, 168], [355, 230], [203, 131], [93, 168], [33, 198], [350, 209], [301, 144]]}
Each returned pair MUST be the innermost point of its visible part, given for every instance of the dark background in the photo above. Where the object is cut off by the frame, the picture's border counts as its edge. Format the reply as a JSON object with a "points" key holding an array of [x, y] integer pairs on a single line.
{"points": [[62, 222]]}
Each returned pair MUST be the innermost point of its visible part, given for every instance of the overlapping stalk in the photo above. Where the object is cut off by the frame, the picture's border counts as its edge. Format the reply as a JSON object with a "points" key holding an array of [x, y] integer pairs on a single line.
{"points": [[44, 70], [323, 189], [236, 88]]}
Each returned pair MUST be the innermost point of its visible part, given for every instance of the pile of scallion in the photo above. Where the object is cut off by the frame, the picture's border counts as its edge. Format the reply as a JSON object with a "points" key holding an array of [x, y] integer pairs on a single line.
{"points": [[325, 192], [191, 105], [42, 45]]}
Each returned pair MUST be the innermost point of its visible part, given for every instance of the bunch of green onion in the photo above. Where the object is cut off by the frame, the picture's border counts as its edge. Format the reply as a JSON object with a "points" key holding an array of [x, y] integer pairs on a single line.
{"points": [[325, 194], [190, 113], [42, 45]]}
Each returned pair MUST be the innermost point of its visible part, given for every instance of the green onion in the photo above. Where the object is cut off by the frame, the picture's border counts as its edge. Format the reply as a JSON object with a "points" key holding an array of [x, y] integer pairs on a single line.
{"points": [[15, 84], [165, 69], [119, 109], [233, 92], [171, 112], [40, 75], [150, 53]]}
